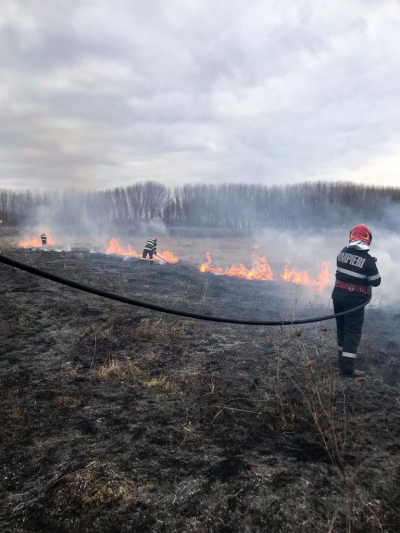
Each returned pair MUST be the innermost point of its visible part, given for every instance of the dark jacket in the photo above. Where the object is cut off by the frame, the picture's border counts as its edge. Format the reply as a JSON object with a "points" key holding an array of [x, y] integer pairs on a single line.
{"points": [[151, 246], [357, 266]]}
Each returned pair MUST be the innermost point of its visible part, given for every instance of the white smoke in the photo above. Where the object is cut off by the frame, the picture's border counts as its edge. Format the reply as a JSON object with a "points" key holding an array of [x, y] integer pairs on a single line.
{"points": [[308, 249], [304, 249]]}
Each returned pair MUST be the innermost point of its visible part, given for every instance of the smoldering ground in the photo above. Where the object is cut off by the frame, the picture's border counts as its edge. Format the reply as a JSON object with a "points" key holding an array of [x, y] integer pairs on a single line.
{"points": [[118, 418]]}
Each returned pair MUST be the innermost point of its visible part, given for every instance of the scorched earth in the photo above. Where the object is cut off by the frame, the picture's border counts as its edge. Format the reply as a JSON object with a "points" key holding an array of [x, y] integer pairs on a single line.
{"points": [[118, 419]]}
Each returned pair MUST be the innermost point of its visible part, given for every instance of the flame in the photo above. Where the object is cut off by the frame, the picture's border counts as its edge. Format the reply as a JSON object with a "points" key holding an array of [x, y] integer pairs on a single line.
{"points": [[206, 266], [115, 248], [169, 256], [303, 278], [35, 242], [262, 271]]}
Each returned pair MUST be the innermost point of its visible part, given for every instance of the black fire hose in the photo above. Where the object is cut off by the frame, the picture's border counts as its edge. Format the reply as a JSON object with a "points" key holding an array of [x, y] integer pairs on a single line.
{"points": [[138, 303]]}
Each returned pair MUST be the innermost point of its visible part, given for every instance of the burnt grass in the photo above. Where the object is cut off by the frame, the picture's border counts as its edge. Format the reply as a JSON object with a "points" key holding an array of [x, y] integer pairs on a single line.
{"points": [[118, 419]]}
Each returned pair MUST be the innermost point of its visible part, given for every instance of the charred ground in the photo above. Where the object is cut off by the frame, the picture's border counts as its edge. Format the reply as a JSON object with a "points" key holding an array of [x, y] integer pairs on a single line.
{"points": [[118, 419]]}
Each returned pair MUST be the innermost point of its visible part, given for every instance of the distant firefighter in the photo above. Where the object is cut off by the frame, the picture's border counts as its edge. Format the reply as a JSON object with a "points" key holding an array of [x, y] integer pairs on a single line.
{"points": [[356, 273], [150, 249], [44, 239]]}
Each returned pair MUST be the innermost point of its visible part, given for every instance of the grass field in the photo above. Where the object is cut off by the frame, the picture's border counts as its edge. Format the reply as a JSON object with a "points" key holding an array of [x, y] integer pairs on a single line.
{"points": [[117, 419]]}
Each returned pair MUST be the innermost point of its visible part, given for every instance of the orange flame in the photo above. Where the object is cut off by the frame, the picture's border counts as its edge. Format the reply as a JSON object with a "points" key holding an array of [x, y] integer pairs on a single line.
{"points": [[35, 242], [206, 266], [115, 248], [303, 278], [169, 256], [262, 271]]}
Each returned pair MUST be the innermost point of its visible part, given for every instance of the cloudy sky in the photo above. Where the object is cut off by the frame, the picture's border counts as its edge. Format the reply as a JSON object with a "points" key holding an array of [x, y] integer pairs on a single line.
{"points": [[105, 93]]}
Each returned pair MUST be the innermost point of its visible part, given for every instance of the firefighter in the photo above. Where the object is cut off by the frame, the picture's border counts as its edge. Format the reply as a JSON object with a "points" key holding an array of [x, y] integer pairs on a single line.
{"points": [[150, 249], [356, 273], [44, 239]]}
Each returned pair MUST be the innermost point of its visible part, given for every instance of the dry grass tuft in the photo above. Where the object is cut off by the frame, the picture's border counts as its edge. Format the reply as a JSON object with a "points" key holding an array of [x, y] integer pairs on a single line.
{"points": [[319, 399], [68, 401], [118, 370], [161, 329], [129, 371], [94, 486], [161, 384], [101, 342]]}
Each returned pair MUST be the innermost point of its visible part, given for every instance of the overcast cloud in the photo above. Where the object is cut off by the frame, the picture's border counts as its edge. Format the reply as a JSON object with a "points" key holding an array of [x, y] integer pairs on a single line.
{"points": [[100, 93]]}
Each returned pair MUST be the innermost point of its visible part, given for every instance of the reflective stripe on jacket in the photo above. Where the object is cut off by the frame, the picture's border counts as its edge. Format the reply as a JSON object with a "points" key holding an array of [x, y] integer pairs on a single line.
{"points": [[357, 266], [151, 245]]}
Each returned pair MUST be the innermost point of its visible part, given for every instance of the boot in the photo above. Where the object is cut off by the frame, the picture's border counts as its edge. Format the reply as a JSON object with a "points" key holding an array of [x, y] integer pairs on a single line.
{"points": [[347, 368]]}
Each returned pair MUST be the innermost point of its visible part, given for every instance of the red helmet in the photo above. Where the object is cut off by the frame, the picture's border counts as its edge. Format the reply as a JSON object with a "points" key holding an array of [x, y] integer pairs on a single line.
{"points": [[361, 232], [154, 238]]}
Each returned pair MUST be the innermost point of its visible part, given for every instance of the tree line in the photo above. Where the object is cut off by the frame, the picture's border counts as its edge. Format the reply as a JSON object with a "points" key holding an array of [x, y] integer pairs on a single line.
{"points": [[239, 206]]}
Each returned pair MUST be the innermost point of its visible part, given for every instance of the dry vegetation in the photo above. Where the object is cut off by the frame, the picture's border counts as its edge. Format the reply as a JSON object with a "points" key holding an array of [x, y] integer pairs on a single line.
{"points": [[126, 370], [94, 486], [115, 419]]}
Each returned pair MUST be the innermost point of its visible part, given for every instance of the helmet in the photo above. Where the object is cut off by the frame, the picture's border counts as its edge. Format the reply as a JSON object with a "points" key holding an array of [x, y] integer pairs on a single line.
{"points": [[361, 232], [154, 238]]}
